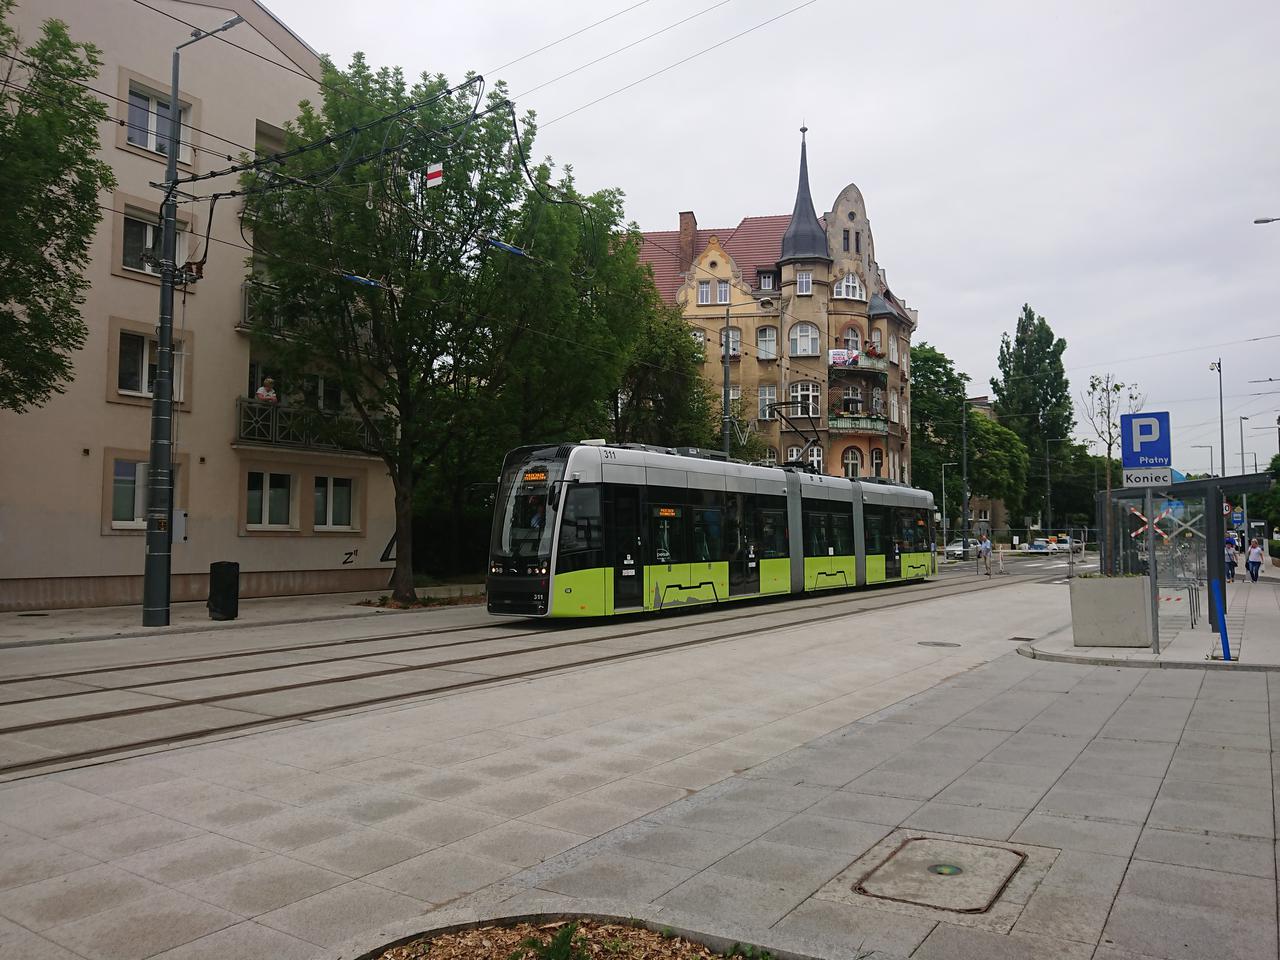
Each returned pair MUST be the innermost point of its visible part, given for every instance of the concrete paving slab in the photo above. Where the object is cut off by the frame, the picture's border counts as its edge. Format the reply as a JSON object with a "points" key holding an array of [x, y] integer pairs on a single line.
{"points": [[439, 876], [72, 896], [677, 846], [115, 934], [263, 885], [783, 865], [25, 945], [734, 900], [948, 942], [856, 927], [615, 875], [359, 852], [518, 843], [120, 838], [867, 807], [852, 837], [335, 916], [204, 856], [1250, 856], [246, 939], [439, 823], [1087, 836], [28, 860], [989, 823], [1230, 808]]}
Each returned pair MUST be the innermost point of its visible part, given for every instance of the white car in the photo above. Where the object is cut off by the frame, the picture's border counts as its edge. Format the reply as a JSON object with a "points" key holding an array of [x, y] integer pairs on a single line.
{"points": [[1043, 545], [955, 549]]}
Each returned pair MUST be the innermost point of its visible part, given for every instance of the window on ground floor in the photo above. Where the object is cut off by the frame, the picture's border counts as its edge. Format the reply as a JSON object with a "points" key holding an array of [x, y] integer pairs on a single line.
{"points": [[333, 497], [138, 363], [851, 460], [129, 495], [268, 501]]}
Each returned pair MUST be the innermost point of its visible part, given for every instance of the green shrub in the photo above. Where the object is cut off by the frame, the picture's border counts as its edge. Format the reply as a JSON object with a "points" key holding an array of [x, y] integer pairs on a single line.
{"points": [[1273, 548]]}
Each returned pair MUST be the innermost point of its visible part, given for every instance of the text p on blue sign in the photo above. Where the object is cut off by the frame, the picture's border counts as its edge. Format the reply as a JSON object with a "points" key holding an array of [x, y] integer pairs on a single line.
{"points": [[1145, 440]]}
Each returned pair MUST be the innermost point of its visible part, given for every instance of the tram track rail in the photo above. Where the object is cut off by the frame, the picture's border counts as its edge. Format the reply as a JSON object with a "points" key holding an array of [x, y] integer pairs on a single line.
{"points": [[227, 700]]}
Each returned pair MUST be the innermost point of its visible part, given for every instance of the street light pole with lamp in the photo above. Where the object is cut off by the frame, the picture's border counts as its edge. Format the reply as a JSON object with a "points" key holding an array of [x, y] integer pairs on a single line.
{"points": [[1048, 502], [1245, 497], [159, 540], [1205, 446], [953, 463], [1222, 428]]}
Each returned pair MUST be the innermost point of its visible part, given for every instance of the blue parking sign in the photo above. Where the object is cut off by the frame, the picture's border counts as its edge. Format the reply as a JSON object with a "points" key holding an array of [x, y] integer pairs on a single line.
{"points": [[1145, 441]]}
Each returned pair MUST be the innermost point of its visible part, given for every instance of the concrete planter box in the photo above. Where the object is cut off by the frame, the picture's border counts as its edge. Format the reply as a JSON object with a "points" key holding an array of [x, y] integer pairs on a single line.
{"points": [[1111, 611]]}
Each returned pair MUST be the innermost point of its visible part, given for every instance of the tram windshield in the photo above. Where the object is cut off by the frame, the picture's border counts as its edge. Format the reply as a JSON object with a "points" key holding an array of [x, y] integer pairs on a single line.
{"points": [[523, 520]]}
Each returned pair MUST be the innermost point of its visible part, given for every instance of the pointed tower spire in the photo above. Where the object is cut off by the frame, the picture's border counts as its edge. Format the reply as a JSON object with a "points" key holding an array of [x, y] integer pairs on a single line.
{"points": [[805, 239]]}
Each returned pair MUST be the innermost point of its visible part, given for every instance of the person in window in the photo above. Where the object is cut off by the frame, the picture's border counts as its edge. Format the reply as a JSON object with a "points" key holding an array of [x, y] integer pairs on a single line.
{"points": [[536, 521], [267, 392]]}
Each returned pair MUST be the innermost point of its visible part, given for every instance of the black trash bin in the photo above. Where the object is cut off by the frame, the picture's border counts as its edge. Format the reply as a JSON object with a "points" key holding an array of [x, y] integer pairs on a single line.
{"points": [[224, 590]]}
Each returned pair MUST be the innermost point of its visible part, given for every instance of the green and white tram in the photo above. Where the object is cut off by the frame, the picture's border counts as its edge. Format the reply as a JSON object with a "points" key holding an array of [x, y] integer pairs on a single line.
{"points": [[594, 529]]}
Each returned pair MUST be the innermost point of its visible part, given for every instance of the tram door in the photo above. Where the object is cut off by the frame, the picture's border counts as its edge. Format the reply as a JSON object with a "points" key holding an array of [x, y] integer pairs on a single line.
{"points": [[893, 544], [628, 559], [744, 554]]}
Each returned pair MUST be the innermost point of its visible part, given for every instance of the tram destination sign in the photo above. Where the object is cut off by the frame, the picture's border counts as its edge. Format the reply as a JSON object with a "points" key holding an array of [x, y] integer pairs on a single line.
{"points": [[1148, 477]]}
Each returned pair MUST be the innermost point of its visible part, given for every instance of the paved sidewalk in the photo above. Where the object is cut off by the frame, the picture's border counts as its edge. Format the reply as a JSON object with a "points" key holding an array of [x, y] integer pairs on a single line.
{"points": [[101, 623], [1253, 633]]}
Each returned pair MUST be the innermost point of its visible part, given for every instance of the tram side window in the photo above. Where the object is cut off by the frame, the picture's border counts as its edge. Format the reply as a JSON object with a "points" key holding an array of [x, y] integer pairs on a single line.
{"points": [[736, 533], [875, 520], [666, 527], [706, 534], [814, 518], [771, 533], [842, 533], [581, 531]]}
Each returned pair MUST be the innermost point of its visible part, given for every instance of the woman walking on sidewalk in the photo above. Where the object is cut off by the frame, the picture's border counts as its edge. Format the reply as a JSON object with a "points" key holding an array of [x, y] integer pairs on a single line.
{"points": [[1253, 560], [1231, 560]]}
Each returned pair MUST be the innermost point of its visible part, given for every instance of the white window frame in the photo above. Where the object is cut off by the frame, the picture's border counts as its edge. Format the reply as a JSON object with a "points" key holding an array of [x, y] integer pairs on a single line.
{"points": [[852, 393], [322, 384], [793, 454], [893, 406], [805, 392], [722, 291], [893, 349], [151, 136], [150, 351], [766, 394], [140, 476], [766, 283], [853, 342], [767, 343], [704, 292], [816, 458], [735, 341], [804, 283], [877, 462], [813, 339], [264, 514], [700, 338], [735, 400], [771, 456], [852, 457], [877, 340], [848, 288], [328, 499], [151, 237], [877, 402]]}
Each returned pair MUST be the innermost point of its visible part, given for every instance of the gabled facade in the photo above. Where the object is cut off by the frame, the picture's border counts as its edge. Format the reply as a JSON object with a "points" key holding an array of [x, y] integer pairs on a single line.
{"points": [[812, 325], [251, 484]]}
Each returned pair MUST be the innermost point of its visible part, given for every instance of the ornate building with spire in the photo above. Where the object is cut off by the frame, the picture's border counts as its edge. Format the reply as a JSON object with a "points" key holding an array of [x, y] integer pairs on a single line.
{"points": [[819, 346]]}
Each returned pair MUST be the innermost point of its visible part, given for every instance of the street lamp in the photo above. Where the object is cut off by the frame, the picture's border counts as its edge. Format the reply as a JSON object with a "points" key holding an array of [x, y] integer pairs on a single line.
{"points": [[1222, 429], [953, 463], [1245, 497], [1242, 420], [1267, 220], [1048, 502], [158, 562], [1209, 447]]}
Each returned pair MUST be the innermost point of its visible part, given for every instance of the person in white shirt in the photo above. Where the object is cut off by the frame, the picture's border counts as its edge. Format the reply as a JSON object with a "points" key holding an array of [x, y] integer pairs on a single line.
{"points": [[267, 392], [984, 551], [1253, 560]]}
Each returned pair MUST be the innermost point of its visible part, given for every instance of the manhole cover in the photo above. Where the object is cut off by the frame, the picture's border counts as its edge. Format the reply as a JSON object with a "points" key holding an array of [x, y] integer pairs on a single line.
{"points": [[935, 643], [944, 874]]}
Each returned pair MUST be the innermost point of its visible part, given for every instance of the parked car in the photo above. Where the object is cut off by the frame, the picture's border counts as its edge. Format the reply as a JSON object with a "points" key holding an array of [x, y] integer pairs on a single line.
{"points": [[955, 549], [1043, 545], [1073, 544]]}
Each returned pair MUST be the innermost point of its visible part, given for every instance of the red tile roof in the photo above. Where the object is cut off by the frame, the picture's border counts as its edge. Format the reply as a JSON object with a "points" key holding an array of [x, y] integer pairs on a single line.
{"points": [[755, 242]]}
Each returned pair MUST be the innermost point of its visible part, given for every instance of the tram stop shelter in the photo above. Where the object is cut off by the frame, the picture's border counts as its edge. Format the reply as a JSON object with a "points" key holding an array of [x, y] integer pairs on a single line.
{"points": [[1177, 534]]}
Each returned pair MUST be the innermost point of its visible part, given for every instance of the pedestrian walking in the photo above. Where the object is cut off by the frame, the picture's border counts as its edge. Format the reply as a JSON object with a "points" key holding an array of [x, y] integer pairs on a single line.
{"points": [[1253, 560], [984, 552], [1231, 560]]}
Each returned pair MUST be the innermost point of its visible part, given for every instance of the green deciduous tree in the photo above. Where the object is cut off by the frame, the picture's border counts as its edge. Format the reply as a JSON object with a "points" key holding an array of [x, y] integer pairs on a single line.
{"points": [[1105, 400], [1033, 397], [937, 390], [997, 459], [50, 179]]}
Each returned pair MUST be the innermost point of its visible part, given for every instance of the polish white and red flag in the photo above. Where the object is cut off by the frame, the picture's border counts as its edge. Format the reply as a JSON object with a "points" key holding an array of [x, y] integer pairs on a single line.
{"points": [[435, 175]]}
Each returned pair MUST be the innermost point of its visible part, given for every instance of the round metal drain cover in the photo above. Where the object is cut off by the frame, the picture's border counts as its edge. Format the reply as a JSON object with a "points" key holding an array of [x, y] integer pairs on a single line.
{"points": [[945, 869], [935, 643]]}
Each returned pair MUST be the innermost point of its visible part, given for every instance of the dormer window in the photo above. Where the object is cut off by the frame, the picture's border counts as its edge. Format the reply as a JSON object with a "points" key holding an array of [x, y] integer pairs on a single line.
{"points": [[722, 291], [804, 283], [766, 281], [704, 292]]}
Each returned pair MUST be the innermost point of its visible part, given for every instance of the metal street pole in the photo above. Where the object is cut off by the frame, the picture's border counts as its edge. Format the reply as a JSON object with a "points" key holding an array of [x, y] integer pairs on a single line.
{"points": [[964, 478], [1205, 446], [726, 425], [1048, 496], [159, 540], [944, 501], [1245, 498], [1222, 429]]}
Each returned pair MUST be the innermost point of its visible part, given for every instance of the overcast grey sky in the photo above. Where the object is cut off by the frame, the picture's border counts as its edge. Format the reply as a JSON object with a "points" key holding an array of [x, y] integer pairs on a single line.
{"points": [[1103, 161]]}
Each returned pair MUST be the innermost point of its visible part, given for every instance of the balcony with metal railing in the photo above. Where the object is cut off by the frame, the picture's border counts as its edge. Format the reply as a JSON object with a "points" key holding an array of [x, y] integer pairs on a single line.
{"points": [[253, 307], [272, 425], [849, 423]]}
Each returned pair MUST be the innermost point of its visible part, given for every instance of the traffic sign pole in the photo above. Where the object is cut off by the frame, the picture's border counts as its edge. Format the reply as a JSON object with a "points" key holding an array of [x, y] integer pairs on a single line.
{"points": [[1151, 574]]}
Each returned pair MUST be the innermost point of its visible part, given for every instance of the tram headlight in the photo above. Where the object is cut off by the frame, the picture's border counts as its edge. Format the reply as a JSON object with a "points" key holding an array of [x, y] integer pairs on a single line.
{"points": [[495, 568]]}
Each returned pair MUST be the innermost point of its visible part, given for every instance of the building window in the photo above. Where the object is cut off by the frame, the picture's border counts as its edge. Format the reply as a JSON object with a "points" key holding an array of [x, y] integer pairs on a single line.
{"points": [[893, 349], [735, 341], [815, 457], [852, 400], [793, 454], [321, 392], [700, 342], [735, 400], [877, 402], [149, 122], [767, 343], [142, 244], [893, 406], [983, 515], [804, 282], [766, 281], [770, 457], [857, 242], [704, 292], [767, 395], [332, 503], [848, 287], [846, 241], [852, 339], [268, 499], [129, 495], [804, 340], [136, 372], [851, 460], [877, 462], [722, 291], [806, 398], [905, 350], [875, 342]]}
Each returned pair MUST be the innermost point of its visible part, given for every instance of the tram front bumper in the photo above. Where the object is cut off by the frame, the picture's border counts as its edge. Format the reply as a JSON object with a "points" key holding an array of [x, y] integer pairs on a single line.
{"points": [[517, 596]]}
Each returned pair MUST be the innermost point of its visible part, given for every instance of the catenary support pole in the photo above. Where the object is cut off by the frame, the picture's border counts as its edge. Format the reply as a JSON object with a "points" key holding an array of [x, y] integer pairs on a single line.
{"points": [[964, 477], [726, 427]]}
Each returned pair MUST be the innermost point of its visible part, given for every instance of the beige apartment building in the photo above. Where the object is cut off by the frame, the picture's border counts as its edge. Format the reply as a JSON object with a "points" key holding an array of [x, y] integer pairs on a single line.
{"points": [[819, 346], [251, 485]]}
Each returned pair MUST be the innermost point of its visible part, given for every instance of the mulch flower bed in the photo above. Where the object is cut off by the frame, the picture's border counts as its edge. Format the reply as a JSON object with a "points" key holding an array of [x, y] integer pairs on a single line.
{"points": [[588, 940], [390, 604]]}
